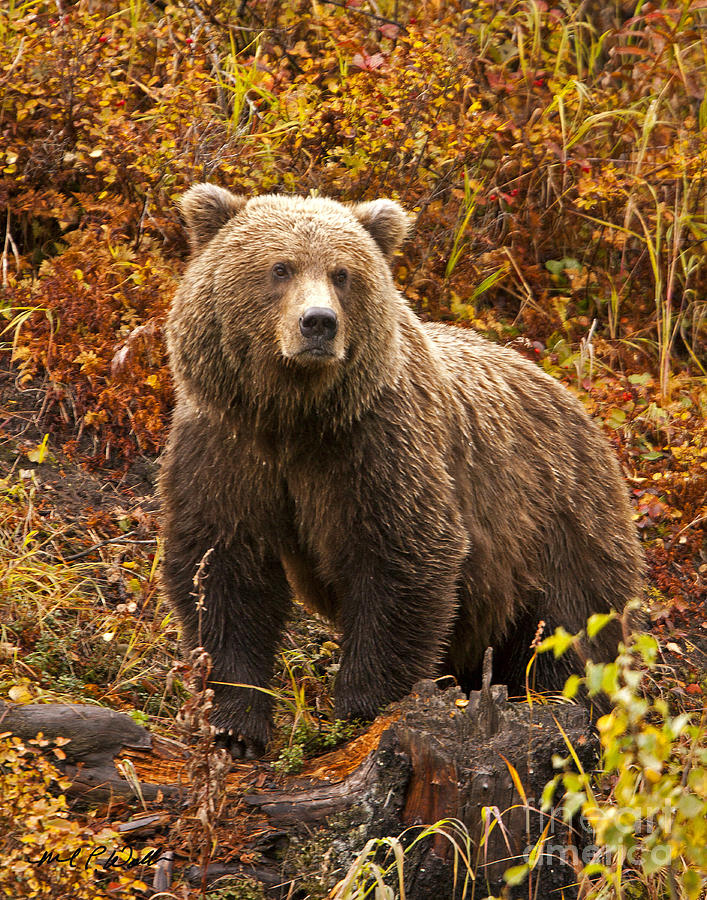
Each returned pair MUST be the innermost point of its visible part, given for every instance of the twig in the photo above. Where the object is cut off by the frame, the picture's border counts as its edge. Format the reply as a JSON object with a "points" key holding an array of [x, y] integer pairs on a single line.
{"points": [[143, 216], [213, 54], [689, 525], [199, 592], [365, 12], [528, 292], [18, 57], [9, 242], [4, 250], [114, 540]]}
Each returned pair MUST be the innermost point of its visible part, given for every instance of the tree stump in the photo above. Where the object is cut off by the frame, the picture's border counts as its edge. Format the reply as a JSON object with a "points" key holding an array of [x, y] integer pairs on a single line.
{"points": [[444, 758]]}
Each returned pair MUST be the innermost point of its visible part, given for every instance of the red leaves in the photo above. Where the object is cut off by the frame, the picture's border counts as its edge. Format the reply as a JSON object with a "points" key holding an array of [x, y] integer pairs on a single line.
{"points": [[390, 30], [367, 63], [693, 689], [651, 510]]}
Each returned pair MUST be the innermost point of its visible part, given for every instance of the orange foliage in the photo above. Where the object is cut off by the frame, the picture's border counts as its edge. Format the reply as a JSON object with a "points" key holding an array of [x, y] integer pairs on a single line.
{"points": [[555, 163]]}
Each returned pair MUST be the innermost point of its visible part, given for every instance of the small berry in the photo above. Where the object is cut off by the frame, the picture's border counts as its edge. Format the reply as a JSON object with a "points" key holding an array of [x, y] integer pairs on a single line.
{"points": [[514, 192], [189, 41], [492, 197], [387, 121], [103, 39], [120, 102], [539, 82]]}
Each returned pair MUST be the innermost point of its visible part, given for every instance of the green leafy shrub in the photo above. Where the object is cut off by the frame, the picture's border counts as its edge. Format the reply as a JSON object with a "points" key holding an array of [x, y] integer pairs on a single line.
{"points": [[648, 808]]}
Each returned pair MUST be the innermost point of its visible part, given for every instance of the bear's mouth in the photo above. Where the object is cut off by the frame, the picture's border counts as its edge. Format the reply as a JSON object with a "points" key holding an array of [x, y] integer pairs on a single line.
{"points": [[316, 352], [313, 352]]}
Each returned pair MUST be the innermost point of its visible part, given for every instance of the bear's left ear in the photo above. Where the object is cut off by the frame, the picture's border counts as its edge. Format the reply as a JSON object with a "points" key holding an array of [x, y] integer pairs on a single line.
{"points": [[386, 221], [206, 208]]}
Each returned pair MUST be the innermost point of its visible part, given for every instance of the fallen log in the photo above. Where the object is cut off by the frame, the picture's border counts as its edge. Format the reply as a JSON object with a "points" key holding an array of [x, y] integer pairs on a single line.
{"points": [[95, 735]]}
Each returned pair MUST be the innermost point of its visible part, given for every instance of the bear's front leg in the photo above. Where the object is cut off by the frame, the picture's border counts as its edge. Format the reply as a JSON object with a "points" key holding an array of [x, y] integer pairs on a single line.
{"points": [[396, 626], [246, 602]]}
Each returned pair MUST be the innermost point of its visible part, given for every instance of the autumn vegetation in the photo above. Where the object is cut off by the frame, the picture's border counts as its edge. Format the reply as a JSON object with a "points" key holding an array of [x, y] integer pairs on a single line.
{"points": [[554, 156]]}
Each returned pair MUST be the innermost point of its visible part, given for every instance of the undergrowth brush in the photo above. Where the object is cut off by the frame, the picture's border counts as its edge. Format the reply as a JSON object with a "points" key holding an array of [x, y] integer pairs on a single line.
{"points": [[89, 631], [553, 155]]}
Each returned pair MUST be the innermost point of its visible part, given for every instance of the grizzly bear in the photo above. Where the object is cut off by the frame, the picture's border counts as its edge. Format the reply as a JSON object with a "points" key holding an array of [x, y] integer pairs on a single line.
{"points": [[430, 492]]}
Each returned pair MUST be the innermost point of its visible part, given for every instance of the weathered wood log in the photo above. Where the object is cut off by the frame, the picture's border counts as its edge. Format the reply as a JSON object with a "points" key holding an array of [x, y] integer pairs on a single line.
{"points": [[96, 735]]}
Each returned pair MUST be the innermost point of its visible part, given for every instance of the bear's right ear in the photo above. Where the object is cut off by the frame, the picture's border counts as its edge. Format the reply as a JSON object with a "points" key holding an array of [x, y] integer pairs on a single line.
{"points": [[206, 208]]}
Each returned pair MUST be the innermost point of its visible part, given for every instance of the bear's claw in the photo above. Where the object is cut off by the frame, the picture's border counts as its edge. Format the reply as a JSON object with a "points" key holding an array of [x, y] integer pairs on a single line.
{"points": [[238, 745]]}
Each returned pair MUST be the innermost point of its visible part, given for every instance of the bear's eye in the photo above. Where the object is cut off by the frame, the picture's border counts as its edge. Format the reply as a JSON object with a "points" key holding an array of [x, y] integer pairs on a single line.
{"points": [[281, 271], [340, 277]]}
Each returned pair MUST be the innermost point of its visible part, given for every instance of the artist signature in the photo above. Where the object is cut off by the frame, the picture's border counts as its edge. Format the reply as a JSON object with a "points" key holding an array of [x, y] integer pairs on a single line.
{"points": [[90, 857]]}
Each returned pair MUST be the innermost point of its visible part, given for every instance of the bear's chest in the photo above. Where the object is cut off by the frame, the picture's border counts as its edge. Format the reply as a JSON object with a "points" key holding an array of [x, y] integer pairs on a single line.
{"points": [[322, 489]]}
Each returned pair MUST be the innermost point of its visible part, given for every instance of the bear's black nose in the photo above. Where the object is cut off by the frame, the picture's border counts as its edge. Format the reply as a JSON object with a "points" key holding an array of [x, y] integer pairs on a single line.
{"points": [[318, 322]]}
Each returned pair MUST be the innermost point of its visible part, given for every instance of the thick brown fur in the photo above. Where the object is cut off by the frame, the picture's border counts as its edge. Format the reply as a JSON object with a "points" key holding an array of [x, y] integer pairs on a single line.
{"points": [[431, 492]]}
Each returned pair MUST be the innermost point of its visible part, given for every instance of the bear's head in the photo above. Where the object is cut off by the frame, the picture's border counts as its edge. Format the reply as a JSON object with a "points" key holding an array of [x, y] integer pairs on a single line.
{"points": [[287, 305]]}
